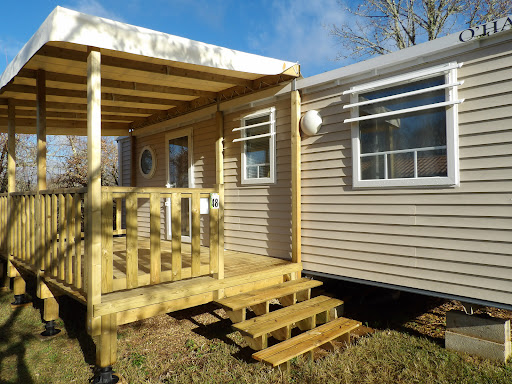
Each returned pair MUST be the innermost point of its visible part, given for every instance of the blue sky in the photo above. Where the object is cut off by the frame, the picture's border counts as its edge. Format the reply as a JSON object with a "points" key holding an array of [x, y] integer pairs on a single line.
{"points": [[284, 29]]}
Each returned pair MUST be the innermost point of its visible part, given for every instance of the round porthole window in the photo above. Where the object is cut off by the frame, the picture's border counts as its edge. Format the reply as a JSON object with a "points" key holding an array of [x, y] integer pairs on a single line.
{"points": [[147, 162]]}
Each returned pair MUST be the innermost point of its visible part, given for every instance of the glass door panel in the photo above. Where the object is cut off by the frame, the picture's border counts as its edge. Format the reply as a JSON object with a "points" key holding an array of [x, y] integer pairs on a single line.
{"points": [[178, 177]]}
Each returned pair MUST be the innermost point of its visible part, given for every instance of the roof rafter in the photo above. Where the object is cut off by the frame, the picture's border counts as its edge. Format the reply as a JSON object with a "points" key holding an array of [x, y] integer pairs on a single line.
{"points": [[119, 84], [110, 61]]}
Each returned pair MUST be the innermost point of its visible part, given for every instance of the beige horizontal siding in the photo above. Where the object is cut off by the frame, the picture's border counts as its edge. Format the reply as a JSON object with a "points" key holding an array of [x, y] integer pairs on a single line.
{"points": [[258, 217], [450, 240]]}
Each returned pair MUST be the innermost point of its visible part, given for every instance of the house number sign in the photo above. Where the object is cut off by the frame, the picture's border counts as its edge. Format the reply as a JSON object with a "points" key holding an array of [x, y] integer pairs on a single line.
{"points": [[214, 201]]}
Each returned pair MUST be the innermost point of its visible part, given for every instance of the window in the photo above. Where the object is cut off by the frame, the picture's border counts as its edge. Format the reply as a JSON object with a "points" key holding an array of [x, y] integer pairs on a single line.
{"points": [[147, 162], [404, 129], [258, 147]]}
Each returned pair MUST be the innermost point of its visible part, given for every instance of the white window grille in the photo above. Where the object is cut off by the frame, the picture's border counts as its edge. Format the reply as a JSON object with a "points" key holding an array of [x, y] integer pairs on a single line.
{"points": [[405, 129]]}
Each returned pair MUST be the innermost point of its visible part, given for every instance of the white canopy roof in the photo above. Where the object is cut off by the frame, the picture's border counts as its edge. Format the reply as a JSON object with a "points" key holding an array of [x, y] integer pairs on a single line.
{"points": [[65, 25]]}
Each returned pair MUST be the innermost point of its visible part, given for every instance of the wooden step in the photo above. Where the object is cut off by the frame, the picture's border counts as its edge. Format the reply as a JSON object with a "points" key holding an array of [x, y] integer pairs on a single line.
{"points": [[281, 353], [258, 300], [304, 315]]}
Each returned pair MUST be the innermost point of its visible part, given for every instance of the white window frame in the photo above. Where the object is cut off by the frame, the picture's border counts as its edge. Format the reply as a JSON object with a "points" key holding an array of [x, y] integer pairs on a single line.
{"points": [[271, 112], [452, 131]]}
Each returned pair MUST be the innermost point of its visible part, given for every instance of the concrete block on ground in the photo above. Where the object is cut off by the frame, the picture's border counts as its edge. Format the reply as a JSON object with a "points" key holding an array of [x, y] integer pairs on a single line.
{"points": [[482, 348], [480, 335]]}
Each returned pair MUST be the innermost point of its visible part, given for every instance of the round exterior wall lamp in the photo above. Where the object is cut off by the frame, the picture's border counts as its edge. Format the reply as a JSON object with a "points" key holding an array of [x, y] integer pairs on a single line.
{"points": [[147, 162], [311, 122]]}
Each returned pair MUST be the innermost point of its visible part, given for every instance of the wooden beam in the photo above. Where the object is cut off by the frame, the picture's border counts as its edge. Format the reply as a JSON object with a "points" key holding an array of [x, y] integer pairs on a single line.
{"points": [[64, 106], [64, 127], [118, 84], [68, 115], [93, 189], [136, 65], [77, 94], [296, 177]]}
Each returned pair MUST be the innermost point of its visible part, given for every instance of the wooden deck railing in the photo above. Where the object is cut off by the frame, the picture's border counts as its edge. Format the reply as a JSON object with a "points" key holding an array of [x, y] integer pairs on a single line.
{"points": [[156, 197], [4, 217], [52, 242], [48, 236]]}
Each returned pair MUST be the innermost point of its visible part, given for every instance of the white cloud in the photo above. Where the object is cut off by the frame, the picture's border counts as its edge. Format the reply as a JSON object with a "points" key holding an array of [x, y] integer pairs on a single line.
{"points": [[300, 32], [93, 7]]}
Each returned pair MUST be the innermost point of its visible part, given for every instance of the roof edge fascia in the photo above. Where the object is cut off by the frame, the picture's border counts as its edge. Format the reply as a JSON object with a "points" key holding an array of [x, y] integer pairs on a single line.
{"points": [[65, 25]]}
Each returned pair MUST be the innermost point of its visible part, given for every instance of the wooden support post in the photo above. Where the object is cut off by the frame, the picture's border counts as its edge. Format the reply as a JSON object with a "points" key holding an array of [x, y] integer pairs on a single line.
{"points": [[106, 349], [154, 247], [107, 259], [51, 309], [19, 286], [296, 179], [37, 245], [11, 183], [176, 235], [93, 234]]}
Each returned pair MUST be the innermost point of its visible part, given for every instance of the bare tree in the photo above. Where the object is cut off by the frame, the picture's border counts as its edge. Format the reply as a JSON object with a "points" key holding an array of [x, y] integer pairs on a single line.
{"points": [[74, 171], [383, 26]]}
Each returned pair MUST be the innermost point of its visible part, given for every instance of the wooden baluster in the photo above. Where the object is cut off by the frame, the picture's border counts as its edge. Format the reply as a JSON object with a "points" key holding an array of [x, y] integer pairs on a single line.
{"points": [[77, 212], [55, 255], [48, 234], [176, 235], [70, 238], [132, 256], [107, 266], [32, 230], [119, 211], [214, 240], [154, 247], [41, 241], [62, 237], [196, 235], [25, 235]]}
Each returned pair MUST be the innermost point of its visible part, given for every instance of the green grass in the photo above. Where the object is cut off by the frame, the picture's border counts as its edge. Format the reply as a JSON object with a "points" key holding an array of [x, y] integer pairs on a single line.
{"points": [[198, 346]]}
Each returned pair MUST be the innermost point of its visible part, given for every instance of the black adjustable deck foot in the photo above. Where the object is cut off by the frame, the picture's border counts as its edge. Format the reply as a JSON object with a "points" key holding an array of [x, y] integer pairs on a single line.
{"points": [[49, 329], [20, 301], [105, 376]]}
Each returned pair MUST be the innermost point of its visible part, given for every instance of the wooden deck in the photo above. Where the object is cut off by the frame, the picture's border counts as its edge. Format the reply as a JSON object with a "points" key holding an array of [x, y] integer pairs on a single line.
{"points": [[235, 263]]}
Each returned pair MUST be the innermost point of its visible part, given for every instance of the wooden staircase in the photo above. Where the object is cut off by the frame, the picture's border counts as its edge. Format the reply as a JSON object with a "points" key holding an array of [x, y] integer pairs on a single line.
{"points": [[298, 310]]}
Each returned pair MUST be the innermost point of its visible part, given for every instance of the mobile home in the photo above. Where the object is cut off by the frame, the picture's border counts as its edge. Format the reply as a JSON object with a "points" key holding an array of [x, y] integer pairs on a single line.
{"points": [[400, 176]]}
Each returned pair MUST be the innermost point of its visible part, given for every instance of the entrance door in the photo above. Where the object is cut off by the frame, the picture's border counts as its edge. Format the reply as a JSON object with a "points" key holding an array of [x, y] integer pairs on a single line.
{"points": [[179, 175]]}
